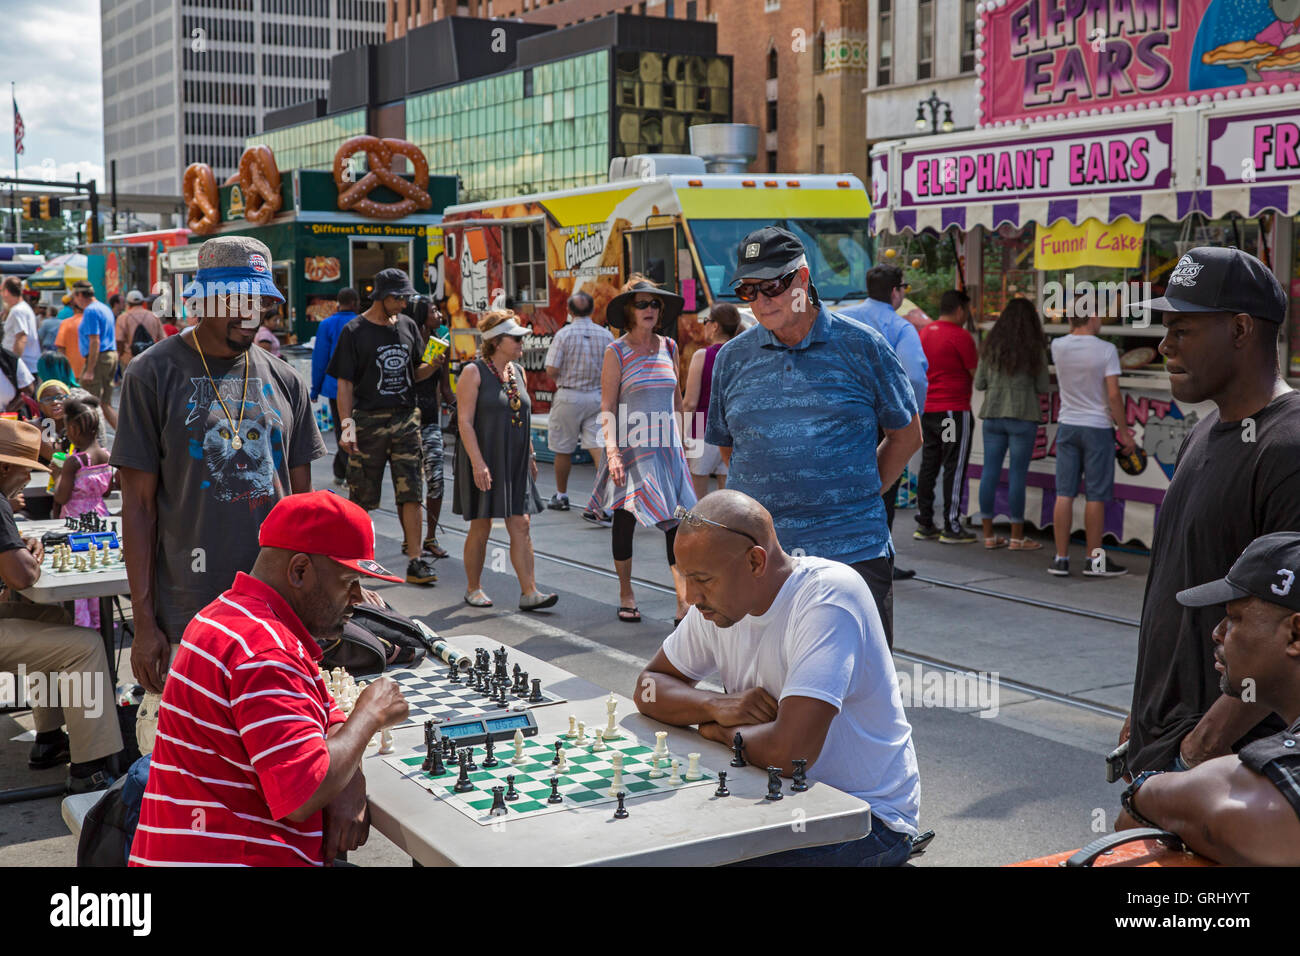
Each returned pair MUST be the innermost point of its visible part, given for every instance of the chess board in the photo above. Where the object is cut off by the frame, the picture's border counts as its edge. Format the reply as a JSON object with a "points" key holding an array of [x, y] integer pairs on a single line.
{"points": [[585, 784], [430, 694], [114, 565]]}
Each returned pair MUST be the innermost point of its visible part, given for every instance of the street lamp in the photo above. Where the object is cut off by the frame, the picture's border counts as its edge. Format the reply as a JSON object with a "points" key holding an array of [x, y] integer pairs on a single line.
{"points": [[933, 102]]}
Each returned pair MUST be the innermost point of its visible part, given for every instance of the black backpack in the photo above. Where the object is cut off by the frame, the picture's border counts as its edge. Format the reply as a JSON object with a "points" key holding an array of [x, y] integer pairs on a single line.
{"points": [[374, 640], [109, 827], [140, 340]]}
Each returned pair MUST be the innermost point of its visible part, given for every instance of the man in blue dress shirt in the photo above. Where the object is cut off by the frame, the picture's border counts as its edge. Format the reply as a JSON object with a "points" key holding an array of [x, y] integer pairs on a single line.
{"points": [[327, 336], [795, 406]]}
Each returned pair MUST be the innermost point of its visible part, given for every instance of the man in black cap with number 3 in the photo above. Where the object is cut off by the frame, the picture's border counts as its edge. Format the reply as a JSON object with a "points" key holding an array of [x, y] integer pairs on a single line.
{"points": [[1237, 478]]}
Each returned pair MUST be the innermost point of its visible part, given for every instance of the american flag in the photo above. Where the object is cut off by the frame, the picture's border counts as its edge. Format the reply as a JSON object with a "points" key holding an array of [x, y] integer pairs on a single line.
{"points": [[18, 129]]}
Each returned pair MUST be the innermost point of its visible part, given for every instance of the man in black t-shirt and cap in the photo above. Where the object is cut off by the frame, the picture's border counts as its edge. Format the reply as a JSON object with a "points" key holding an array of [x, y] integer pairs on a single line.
{"points": [[377, 361], [1237, 478], [1228, 808]]}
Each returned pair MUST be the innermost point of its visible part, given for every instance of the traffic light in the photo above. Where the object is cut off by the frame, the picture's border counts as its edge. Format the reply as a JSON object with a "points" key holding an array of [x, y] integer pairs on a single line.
{"points": [[27, 207], [50, 207]]}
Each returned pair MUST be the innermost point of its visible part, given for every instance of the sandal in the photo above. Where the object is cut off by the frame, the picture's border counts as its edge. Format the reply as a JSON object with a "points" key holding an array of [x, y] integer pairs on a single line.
{"points": [[995, 542], [536, 601], [1025, 544], [477, 598], [629, 615]]}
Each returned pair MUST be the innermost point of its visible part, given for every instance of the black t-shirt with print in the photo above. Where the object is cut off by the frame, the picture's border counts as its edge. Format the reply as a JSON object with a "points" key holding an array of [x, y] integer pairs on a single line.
{"points": [[1234, 481], [10, 538], [380, 362]]}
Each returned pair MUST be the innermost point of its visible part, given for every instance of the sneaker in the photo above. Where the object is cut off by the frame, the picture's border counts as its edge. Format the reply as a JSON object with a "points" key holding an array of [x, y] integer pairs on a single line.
{"points": [[1060, 567], [558, 502], [904, 574], [926, 532], [1108, 569], [420, 571], [595, 518], [956, 535], [45, 756]]}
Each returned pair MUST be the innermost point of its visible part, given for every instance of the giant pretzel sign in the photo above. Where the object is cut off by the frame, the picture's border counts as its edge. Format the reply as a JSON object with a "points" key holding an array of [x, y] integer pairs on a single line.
{"points": [[379, 155], [199, 189], [259, 178]]}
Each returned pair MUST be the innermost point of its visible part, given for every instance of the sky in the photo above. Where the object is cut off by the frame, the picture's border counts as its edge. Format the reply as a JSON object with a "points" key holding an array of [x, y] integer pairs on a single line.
{"points": [[52, 53]]}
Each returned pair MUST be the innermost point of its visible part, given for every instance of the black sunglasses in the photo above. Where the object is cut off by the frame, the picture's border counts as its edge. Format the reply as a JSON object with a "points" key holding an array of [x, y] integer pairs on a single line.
{"points": [[748, 292], [648, 304]]}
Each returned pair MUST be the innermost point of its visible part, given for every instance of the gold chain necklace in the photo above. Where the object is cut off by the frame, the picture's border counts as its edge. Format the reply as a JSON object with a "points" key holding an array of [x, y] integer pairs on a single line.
{"points": [[235, 442]]}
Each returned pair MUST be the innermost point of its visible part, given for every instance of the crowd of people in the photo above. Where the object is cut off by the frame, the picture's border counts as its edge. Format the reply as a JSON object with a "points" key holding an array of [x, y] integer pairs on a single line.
{"points": [[784, 575]]}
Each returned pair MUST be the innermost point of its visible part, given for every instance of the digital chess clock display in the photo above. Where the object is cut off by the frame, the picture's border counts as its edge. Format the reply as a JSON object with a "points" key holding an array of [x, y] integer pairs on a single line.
{"points": [[513, 722], [475, 730]]}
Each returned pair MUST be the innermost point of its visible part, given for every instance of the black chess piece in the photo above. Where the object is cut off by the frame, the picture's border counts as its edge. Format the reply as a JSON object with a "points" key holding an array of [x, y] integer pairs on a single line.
{"points": [[555, 791], [490, 759], [773, 784], [511, 792], [556, 761], [722, 790], [499, 808], [516, 672], [800, 781], [503, 697], [621, 812], [501, 661], [453, 675], [738, 745], [462, 782], [437, 769], [523, 684], [536, 696]]}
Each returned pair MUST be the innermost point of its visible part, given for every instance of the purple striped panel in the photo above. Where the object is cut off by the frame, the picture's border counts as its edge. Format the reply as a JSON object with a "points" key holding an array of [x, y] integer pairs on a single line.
{"points": [[1267, 197], [1130, 206], [1006, 212], [904, 219], [1190, 200], [954, 216], [1062, 209]]}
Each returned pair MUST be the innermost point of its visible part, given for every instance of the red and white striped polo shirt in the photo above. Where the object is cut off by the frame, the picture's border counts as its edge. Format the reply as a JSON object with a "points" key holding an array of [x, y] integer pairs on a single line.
{"points": [[241, 740]]}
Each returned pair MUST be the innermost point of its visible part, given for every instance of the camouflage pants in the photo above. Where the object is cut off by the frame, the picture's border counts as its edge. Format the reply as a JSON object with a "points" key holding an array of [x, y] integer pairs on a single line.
{"points": [[386, 436]]}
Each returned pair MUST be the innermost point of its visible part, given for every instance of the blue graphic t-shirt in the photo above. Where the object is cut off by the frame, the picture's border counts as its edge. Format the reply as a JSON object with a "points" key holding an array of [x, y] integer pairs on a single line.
{"points": [[217, 478]]}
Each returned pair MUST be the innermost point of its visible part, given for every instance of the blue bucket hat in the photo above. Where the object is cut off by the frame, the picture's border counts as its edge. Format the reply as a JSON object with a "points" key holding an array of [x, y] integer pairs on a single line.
{"points": [[233, 265]]}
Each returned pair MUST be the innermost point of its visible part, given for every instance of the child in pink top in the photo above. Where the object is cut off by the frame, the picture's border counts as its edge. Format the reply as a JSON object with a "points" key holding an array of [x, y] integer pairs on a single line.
{"points": [[83, 480]]}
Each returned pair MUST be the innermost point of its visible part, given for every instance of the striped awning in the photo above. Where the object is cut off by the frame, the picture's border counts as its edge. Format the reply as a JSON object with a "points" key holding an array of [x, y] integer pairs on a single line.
{"points": [[1247, 200]]}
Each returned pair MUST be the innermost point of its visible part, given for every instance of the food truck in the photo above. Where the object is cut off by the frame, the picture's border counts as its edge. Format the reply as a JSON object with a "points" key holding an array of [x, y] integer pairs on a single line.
{"points": [[1088, 194], [680, 230]]}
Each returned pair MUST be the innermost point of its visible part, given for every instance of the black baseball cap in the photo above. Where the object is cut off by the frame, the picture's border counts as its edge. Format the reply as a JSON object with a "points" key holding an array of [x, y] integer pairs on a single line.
{"points": [[1267, 569], [767, 253], [1217, 279]]}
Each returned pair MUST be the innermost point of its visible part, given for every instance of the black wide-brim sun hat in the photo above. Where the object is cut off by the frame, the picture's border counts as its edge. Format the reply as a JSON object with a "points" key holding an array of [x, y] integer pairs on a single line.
{"points": [[673, 304]]}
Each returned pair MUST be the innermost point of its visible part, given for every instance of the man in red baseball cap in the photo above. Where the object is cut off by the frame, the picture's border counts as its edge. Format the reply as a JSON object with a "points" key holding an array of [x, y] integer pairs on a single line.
{"points": [[249, 737]]}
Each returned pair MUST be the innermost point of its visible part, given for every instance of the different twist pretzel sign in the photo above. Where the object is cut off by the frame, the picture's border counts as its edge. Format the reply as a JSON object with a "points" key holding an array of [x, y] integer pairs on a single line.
{"points": [[259, 178], [379, 155], [199, 189]]}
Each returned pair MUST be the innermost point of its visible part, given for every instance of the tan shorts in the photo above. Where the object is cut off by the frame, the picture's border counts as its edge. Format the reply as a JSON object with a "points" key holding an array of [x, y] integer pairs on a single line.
{"points": [[101, 383], [707, 460], [574, 417]]}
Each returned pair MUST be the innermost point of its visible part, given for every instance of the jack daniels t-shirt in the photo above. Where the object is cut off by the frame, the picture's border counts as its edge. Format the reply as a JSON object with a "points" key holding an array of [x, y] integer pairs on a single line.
{"points": [[1233, 483], [380, 362], [216, 483]]}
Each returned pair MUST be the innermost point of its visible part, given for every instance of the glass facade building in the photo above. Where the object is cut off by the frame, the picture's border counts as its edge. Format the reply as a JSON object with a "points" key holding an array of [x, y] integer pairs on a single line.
{"points": [[311, 145]]}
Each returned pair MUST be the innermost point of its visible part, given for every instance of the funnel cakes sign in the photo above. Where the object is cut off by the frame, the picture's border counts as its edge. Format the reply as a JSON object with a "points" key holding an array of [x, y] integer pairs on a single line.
{"points": [[1061, 59]]}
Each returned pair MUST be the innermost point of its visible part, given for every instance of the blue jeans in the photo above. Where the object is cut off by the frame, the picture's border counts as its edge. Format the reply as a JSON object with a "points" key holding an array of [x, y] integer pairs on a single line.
{"points": [[999, 435], [881, 847]]}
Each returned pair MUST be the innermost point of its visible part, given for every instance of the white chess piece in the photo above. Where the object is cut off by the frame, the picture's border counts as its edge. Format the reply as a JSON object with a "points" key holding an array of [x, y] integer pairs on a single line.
{"points": [[661, 743], [582, 734], [386, 741], [611, 728], [573, 727], [674, 778], [94, 555], [655, 772], [599, 745], [519, 748], [563, 766], [693, 767], [617, 783]]}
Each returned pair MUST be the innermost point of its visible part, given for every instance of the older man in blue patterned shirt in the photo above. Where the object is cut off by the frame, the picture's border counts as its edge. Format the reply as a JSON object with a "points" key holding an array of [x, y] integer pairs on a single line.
{"points": [[795, 406]]}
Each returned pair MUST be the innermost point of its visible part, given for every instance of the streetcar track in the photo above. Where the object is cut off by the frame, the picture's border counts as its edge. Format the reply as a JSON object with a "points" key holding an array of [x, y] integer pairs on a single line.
{"points": [[1033, 690]]}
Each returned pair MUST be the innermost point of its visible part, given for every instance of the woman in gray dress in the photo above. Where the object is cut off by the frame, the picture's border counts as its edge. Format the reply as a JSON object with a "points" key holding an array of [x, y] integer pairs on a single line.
{"points": [[496, 472]]}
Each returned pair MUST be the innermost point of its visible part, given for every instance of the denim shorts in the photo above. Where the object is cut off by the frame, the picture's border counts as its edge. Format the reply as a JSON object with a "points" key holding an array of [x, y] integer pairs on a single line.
{"points": [[1090, 451]]}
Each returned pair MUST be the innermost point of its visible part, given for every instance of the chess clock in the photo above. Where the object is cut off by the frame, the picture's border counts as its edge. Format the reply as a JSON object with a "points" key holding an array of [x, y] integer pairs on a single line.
{"points": [[473, 731]]}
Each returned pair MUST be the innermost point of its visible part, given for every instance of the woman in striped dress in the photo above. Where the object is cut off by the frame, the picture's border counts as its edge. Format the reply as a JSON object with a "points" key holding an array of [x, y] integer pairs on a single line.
{"points": [[644, 476]]}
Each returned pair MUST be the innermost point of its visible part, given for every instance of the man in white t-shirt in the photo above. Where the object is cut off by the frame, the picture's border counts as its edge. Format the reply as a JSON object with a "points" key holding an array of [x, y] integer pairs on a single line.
{"points": [[799, 647], [1087, 375], [21, 335]]}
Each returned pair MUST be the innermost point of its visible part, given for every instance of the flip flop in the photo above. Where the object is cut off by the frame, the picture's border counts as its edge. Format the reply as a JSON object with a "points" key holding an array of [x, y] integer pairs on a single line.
{"points": [[995, 542], [625, 615], [1025, 544], [477, 598]]}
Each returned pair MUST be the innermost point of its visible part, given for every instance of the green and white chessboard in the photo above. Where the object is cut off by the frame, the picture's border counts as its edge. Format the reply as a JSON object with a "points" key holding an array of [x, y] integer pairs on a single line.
{"points": [[586, 783]]}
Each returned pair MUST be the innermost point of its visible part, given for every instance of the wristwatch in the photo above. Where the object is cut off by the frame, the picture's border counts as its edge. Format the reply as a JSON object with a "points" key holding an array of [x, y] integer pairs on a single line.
{"points": [[1126, 798]]}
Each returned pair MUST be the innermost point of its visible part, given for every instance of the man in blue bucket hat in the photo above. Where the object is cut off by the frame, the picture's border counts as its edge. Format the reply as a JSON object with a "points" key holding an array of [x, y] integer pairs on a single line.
{"points": [[211, 434]]}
